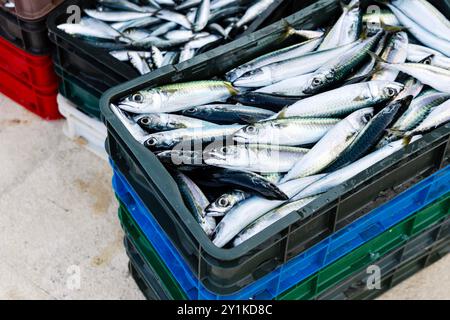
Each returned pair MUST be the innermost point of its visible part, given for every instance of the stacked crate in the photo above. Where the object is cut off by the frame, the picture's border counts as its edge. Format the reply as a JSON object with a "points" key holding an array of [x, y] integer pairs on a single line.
{"points": [[26, 68], [394, 215]]}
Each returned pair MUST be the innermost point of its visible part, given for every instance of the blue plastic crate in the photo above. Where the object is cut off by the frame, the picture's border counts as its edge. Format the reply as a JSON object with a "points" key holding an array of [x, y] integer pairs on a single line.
{"points": [[306, 263]]}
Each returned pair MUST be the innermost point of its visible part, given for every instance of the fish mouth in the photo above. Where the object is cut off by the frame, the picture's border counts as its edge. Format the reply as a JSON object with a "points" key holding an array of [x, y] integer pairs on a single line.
{"points": [[129, 107]]}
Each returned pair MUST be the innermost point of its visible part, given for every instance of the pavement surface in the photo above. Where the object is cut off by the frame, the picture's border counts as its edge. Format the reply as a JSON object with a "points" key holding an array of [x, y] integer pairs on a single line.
{"points": [[59, 232]]}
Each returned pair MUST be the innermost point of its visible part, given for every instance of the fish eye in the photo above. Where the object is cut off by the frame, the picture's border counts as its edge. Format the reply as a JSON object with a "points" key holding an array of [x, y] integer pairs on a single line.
{"points": [[224, 150], [191, 110], [145, 120], [250, 129], [367, 117], [391, 92], [316, 82], [151, 142], [223, 202], [137, 97]]}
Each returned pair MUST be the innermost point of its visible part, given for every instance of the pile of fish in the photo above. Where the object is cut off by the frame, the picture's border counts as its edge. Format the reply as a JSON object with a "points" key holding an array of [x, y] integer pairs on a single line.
{"points": [[288, 126], [150, 34]]}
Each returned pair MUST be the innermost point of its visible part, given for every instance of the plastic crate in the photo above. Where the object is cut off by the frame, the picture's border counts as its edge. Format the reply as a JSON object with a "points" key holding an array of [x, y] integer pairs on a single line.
{"points": [[41, 101], [95, 67], [226, 271], [355, 288], [79, 125], [395, 247], [347, 277], [85, 97], [31, 36], [31, 9], [34, 69], [303, 265]]}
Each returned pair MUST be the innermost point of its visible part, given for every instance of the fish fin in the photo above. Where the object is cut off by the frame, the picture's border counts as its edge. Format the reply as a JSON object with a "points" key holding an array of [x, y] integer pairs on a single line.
{"points": [[407, 139], [282, 113], [391, 29], [234, 91], [288, 31]]}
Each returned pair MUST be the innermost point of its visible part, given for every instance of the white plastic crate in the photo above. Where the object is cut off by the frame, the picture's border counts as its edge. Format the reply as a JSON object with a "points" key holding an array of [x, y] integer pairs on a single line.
{"points": [[81, 126]]}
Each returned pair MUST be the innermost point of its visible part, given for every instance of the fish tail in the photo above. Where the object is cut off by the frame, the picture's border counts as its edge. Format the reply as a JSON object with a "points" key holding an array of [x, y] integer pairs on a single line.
{"points": [[407, 139], [282, 113]]}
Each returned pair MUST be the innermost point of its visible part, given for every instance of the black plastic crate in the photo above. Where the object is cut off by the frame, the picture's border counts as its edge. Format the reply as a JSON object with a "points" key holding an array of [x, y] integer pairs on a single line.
{"points": [[31, 36], [225, 271], [99, 69], [145, 276], [395, 267]]}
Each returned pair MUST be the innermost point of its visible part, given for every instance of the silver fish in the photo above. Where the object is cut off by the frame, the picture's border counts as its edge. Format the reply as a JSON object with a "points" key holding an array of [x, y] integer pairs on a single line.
{"points": [[344, 100], [177, 97], [439, 116], [222, 205], [169, 139], [281, 70], [289, 132], [165, 122], [396, 51], [174, 17], [196, 202], [117, 16], [135, 130], [253, 208], [270, 218], [331, 146], [340, 176], [255, 158], [202, 16], [138, 62], [254, 11]]}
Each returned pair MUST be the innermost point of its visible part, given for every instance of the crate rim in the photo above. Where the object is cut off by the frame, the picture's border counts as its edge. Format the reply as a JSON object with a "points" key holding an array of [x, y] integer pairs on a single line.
{"points": [[143, 155]]}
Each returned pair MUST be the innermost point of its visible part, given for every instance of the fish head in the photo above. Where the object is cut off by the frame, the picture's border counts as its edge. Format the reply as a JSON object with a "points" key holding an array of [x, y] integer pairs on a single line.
{"points": [[360, 118], [226, 155], [142, 102], [193, 111], [220, 207], [154, 141], [398, 105], [255, 78], [384, 90], [249, 133], [320, 80], [149, 121]]}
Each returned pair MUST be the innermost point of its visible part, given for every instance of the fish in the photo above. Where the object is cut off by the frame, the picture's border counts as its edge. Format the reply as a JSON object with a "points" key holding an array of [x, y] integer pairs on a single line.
{"points": [[437, 117], [281, 70], [117, 16], [290, 52], [423, 35], [92, 28], [245, 180], [169, 139], [352, 23], [256, 158], [164, 122], [344, 100], [254, 11], [253, 208], [435, 77], [338, 177], [202, 16], [396, 51], [271, 218], [177, 97], [331, 146], [294, 87], [133, 128], [138, 62], [426, 15], [338, 69], [228, 113], [371, 134], [196, 202], [288, 132], [172, 16], [418, 54], [265, 100], [222, 205]]}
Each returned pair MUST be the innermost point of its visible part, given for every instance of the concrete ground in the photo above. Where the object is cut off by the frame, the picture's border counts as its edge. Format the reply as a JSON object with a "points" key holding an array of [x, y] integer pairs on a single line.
{"points": [[59, 232]]}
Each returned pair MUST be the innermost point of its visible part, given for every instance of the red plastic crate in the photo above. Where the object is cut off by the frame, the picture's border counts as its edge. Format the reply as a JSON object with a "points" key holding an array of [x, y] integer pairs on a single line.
{"points": [[29, 80], [38, 70]]}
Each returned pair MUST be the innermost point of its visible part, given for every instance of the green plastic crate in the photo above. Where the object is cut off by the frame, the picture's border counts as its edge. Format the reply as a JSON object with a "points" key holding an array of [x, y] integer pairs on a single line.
{"points": [[328, 277], [82, 95]]}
